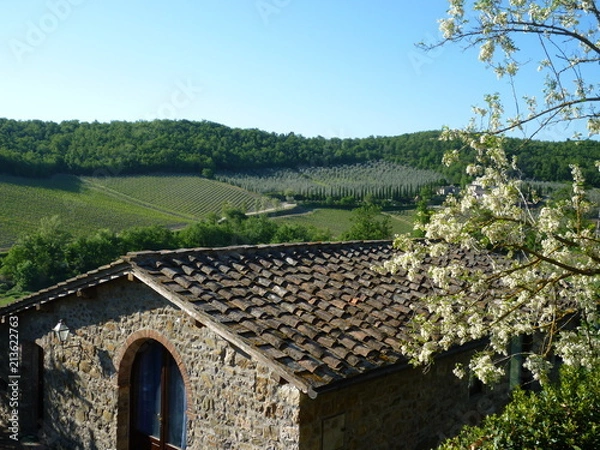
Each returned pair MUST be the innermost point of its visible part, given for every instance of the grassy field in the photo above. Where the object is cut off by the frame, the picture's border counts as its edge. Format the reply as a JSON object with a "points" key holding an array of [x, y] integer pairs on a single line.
{"points": [[339, 220], [402, 221], [87, 204]]}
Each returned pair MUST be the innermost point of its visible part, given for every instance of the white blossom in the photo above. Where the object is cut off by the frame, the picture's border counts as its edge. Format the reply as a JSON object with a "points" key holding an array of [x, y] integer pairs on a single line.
{"points": [[485, 369], [486, 51], [448, 27], [538, 366], [593, 126], [459, 371]]}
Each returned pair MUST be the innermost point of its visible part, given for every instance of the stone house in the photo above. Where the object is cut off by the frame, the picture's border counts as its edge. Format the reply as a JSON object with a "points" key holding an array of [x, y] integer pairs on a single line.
{"points": [[291, 346]]}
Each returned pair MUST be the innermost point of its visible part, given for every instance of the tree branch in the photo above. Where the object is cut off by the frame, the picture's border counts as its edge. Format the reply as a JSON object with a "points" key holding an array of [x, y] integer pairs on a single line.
{"points": [[555, 108]]}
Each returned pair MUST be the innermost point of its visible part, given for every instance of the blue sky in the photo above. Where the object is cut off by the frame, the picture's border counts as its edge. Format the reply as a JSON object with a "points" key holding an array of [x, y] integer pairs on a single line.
{"points": [[343, 68]]}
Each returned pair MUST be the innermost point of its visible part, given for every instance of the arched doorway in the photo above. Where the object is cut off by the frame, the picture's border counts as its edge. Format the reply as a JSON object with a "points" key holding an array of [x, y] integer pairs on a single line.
{"points": [[158, 400]]}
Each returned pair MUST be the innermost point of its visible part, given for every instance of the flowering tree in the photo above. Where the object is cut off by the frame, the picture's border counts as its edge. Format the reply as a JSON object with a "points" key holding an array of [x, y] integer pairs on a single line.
{"points": [[545, 256], [562, 37]]}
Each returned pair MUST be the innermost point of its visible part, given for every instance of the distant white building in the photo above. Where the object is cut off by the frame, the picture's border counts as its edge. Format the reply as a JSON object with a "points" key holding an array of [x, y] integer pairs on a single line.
{"points": [[447, 190]]}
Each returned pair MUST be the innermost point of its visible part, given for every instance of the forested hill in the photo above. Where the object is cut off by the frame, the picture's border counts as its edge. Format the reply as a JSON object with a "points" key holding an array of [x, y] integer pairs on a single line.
{"points": [[36, 148], [39, 149]]}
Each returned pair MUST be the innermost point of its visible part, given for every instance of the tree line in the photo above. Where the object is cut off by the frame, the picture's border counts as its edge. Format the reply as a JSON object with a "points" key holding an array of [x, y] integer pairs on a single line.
{"points": [[35, 148], [50, 254]]}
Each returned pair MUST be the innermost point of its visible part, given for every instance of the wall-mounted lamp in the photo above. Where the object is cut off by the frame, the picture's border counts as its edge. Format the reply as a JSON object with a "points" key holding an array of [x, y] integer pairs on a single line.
{"points": [[62, 331], [63, 334]]}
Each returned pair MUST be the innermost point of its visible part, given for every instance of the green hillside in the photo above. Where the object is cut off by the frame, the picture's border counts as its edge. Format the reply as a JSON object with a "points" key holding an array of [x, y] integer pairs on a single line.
{"points": [[188, 196], [86, 204], [36, 148]]}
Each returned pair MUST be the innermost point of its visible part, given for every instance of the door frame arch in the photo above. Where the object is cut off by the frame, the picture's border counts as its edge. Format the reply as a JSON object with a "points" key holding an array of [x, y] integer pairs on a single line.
{"points": [[124, 363]]}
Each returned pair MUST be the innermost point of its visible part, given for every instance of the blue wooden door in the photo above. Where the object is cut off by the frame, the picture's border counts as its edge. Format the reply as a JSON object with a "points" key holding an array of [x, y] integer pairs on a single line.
{"points": [[158, 400]]}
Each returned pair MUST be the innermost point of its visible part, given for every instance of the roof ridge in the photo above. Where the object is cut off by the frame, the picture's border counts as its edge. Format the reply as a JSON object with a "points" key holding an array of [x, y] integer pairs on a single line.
{"points": [[249, 247]]}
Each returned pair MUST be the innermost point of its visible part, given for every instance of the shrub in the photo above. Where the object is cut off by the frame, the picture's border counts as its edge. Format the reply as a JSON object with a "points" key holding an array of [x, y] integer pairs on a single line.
{"points": [[562, 415]]}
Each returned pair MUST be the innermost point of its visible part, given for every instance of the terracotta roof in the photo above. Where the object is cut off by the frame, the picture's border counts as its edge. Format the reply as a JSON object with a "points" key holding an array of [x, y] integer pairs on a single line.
{"points": [[318, 311], [318, 314]]}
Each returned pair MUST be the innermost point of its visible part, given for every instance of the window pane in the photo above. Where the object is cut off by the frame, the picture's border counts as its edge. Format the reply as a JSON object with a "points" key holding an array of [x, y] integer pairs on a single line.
{"points": [[148, 375], [177, 405]]}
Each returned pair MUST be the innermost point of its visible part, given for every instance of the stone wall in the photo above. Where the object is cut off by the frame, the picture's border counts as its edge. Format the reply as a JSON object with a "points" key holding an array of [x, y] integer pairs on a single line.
{"points": [[408, 409], [233, 402]]}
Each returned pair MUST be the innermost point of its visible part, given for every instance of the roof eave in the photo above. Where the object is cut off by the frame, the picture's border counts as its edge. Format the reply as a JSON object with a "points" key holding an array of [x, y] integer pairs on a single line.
{"points": [[394, 368], [72, 286]]}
